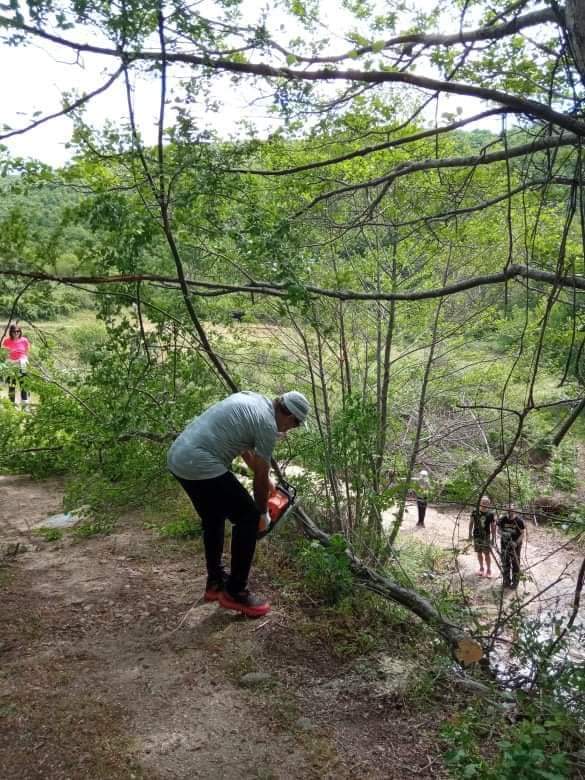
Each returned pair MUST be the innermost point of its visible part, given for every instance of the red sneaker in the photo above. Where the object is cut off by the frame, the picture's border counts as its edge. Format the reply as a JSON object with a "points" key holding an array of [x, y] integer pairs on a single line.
{"points": [[215, 586], [213, 591], [244, 602]]}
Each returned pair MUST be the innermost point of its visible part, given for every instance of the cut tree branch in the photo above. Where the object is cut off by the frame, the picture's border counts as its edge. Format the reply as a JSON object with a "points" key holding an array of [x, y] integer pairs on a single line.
{"points": [[464, 649]]}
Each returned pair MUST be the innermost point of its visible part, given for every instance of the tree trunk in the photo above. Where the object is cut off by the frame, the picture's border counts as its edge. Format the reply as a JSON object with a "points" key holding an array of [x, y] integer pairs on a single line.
{"points": [[420, 416], [575, 21], [568, 423]]}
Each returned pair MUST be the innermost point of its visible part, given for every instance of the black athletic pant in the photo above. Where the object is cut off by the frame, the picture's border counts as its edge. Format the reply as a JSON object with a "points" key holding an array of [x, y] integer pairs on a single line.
{"points": [[11, 381], [215, 500], [510, 563], [421, 507]]}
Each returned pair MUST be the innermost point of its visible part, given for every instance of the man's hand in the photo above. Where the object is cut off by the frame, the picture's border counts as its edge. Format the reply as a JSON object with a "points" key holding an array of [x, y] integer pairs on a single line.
{"points": [[264, 522]]}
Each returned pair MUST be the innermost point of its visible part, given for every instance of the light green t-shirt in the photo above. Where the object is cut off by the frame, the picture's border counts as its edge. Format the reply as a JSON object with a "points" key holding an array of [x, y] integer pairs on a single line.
{"points": [[208, 445]]}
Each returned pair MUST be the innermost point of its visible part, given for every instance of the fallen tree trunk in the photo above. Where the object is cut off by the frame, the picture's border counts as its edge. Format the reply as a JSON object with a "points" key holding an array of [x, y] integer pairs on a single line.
{"points": [[464, 649]]}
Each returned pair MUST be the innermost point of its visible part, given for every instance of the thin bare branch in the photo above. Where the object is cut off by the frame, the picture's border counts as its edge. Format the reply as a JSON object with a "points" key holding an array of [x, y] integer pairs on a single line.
{"points": [[366, 150], [406, 169], [68, 108]]}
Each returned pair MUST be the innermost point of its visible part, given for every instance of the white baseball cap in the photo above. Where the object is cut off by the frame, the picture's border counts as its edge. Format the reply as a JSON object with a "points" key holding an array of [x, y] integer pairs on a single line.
{"points": [[297, 404]]}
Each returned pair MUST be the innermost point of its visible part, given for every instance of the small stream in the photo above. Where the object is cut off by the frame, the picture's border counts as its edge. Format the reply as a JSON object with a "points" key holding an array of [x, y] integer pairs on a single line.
{"points": [[537, 641]]}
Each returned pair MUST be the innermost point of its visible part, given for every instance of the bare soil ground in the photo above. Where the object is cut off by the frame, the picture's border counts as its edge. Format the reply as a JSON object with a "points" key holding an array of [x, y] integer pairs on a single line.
{"points": [[111, 668]]}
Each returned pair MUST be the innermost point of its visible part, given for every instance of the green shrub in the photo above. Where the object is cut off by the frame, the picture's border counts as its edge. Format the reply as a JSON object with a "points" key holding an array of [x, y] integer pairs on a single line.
{"points": [[99, 526], [563, 474], [533, 750], [517, 486], [327, 575], [530, 748], [458, 488], [183, 528], [462, 735], [513, 484], [87, 338], [575, 522], [50, 534]]}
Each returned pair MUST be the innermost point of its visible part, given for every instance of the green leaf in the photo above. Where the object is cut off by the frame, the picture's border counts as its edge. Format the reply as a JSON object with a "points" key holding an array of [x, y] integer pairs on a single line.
{"points": [[358, 39]]}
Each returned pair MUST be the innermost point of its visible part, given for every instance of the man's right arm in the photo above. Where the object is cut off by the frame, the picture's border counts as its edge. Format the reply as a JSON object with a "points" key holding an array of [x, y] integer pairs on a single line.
{"points": [[249, 459], [261, 484]]}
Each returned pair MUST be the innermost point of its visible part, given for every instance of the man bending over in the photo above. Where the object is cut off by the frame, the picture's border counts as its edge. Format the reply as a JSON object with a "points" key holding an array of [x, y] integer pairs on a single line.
{"points": [[246, 424]]}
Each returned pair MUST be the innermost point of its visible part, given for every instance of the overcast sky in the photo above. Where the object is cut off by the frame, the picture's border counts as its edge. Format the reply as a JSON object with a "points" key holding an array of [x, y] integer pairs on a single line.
{"points": [[35, 76]]}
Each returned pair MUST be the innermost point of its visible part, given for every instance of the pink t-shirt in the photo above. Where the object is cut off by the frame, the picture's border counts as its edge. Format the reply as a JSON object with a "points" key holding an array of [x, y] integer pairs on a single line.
{"points": [[17, 348]]}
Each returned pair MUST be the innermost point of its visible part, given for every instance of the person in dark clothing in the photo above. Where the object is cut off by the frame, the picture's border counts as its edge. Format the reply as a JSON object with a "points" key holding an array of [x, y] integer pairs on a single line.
{"points": [[482, 530], [243, 424], [423, 486], [511, 527]]}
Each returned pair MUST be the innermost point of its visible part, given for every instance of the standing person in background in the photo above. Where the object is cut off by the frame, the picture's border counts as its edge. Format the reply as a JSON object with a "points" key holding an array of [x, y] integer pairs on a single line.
{"points": [[18, 347], [511, 527], [246, 424], [482, 530], [423, 486]]}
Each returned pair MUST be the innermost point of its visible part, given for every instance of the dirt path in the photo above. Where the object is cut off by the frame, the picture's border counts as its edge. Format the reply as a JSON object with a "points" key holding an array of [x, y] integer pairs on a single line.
{"points": [[108, 670], [549, 563]]}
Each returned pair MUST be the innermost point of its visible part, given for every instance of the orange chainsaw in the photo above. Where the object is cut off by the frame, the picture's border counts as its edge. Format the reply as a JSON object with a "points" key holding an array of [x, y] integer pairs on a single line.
{"points": [[280, 503]]}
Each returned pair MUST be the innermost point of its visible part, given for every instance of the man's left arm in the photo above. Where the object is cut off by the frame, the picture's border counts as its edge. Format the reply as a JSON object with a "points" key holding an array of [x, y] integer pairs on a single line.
{"points": [[521, 528]]}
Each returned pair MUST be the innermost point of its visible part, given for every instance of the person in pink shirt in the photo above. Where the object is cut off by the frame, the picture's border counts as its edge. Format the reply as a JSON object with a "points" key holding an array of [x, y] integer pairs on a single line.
{"points": [[18, 347]]}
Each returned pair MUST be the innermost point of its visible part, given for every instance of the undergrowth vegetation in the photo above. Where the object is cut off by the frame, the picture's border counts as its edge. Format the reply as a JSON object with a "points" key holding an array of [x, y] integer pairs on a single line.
{"points": [[530, 742]]}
